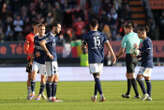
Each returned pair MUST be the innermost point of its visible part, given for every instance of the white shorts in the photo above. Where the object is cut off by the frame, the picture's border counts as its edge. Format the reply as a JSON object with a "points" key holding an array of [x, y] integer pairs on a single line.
{"points": [[145, 71], [39, 68], [96, 68], [51, 68]]}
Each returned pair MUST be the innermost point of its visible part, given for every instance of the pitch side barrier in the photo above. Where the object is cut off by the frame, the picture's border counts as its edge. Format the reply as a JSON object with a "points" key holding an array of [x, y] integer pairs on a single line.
{"points": [[15, 50]]}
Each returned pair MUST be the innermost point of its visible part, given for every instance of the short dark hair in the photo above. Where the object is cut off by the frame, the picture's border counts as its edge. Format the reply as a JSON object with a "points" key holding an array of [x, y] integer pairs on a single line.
{"points": [[40, 25], [53, 24], [143, 27], [94, 22], [128, 24]]}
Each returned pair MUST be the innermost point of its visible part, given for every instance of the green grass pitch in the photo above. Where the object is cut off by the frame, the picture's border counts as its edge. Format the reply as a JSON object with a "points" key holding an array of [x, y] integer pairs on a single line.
{"points": [[76, 96]]}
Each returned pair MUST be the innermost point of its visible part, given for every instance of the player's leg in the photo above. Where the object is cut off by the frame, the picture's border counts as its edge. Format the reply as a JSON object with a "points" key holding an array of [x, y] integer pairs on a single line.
{"points": [[96, 69], [42, 86], [49, 87], [147, 76], [133, 79], [130, 64], [35, 68], [55, 80], [134, 84], [129, 83], [29, 85], [141, 83], [149, 88], [42, 71], [92, 68], [29, 70], [98, 86], [49, 80], [54, 87]]}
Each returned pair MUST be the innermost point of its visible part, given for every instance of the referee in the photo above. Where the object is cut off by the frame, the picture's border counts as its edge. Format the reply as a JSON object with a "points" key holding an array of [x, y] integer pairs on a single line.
{"points": [[130, 41]]}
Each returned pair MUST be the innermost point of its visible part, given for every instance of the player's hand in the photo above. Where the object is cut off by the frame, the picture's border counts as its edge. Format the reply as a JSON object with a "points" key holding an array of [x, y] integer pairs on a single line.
{"points": [[37, 54], [114, 59], [50, 56]]}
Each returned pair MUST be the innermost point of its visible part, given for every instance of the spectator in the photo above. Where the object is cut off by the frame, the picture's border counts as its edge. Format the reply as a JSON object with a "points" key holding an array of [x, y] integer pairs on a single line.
{"points": [[96, 4], [125, 12], [9, 29], [1, 35], [112, 20], [18, 27], [66, 12], [107, 32], [60, 40], [79, 28], [162, 26]]}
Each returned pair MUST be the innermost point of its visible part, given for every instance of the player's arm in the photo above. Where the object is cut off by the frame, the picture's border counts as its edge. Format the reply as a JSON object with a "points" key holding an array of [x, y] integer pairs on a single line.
{"points": [[28, 45], [121, 52], [122, 49], [43, 45], [111, 51]]}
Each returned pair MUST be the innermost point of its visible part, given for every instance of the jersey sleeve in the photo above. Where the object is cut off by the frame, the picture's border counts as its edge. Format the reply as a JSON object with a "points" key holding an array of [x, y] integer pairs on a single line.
{"points": [[148, 46], [47, 39], [123, 43], [26, 44]]}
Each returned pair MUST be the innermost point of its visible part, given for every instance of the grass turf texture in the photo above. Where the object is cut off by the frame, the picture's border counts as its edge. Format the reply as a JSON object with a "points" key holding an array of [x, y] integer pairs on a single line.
{"points": [[76, 96]]}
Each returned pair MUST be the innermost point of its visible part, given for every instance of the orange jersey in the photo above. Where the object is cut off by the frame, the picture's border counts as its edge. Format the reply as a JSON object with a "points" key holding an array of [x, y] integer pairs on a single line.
{"points": [[29, 45]]}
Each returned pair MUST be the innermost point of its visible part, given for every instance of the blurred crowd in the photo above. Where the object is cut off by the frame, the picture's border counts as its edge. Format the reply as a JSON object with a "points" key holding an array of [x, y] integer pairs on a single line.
{"points": [[16, 17]]}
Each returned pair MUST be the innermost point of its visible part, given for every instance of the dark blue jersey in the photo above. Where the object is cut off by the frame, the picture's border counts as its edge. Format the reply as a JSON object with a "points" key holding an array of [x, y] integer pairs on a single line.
{"points": [[39, 53], [51, 45], [95, 41], [147, 53]]}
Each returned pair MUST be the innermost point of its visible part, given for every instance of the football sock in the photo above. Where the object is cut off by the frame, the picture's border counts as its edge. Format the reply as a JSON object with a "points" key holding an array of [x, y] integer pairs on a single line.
{"points": [[129, 84], [134, 84], [141, 83], [28, 91], [49, 89], [149, 87], [32, 86], [95, 91], [54, 89], [41, 88], [97, 80]]}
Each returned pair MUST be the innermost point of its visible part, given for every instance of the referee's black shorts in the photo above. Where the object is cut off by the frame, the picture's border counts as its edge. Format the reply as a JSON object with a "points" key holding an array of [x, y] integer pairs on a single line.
{"points": [[131, 63]]}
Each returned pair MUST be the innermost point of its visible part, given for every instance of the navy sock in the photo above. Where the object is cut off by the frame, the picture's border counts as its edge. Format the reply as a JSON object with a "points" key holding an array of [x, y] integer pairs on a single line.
{"points": [[54, 89], [134, 84], [97, 80], [32, 85], [41, 88], [141, 83], [95, 91], [129, 84], [49, 89], [149, 87]]}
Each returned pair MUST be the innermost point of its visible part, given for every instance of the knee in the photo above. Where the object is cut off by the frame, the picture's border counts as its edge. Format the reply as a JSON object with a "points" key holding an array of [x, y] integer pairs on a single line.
{"points": [[147, 78], [56, 78], [130, 76], [139, 76]]}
